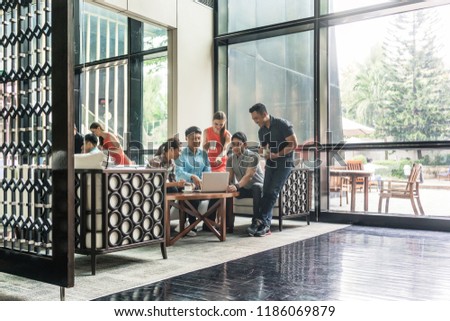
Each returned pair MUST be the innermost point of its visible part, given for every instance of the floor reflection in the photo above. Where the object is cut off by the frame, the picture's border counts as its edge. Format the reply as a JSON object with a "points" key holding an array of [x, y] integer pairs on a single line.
{"points": [[356, 263]]}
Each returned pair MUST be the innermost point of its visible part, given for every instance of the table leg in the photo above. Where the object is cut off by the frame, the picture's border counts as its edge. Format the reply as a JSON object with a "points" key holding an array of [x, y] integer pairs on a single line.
{"points": [[353, 195], [230, 214], [366, 194], [167, 221], [223, 216]]}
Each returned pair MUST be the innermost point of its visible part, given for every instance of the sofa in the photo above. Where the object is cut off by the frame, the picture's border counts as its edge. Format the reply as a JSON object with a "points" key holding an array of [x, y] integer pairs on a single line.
{"points": [[294, 200], [116, 208]]}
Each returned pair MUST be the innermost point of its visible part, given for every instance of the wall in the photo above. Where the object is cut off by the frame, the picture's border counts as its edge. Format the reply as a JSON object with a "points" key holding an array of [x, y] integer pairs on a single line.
{"points": [[191, 26]]}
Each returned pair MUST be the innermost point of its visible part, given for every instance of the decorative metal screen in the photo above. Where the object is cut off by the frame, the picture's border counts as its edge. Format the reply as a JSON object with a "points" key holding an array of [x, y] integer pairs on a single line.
{"points": [[25, 129], [295, 193], [131, 204]]}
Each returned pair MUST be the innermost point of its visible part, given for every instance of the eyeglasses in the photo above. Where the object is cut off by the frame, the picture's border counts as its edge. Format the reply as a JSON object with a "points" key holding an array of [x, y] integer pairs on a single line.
{"points": [[236, 144]]}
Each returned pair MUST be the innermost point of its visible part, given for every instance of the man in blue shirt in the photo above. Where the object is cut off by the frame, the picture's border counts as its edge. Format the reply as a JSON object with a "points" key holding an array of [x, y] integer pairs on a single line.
{"points": [[193, 161], [277, 143]]}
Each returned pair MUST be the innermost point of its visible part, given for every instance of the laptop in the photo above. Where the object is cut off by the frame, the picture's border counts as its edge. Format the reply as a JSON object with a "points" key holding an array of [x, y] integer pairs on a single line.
{"points": [[214, 182]]}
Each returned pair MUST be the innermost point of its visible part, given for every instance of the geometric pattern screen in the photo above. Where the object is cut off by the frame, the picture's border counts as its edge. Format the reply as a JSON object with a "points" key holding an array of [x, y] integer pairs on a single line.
{"points": [[295, 193], [25, 127]]}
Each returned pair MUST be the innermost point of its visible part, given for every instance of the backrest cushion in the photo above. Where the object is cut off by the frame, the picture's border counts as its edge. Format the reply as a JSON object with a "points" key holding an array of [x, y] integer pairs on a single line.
{"points": [[89, 161]]}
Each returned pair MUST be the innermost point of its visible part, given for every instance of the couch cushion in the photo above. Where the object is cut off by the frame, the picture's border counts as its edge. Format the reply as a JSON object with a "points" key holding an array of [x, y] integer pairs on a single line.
{"points": [[245, 206], [89, 161]]}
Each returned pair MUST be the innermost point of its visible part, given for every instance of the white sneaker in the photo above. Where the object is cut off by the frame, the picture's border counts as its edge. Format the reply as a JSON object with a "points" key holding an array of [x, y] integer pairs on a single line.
{"points": [[190, 233]]}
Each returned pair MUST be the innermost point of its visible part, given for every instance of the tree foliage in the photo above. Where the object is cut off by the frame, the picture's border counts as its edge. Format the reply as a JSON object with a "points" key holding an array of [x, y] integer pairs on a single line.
{"points": [[403, 88], [417, 82]]}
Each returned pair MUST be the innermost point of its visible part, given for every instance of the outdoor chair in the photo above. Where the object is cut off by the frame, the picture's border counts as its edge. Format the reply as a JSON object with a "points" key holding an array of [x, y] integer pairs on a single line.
{"points": [[339, 184], [444, 175], [356, 165], [402, 189]]}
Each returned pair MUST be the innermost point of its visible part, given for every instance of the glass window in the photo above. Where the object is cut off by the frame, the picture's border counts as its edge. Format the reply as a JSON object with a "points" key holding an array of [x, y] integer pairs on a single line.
{"points": [[236, 15], [332, 6], [154, 37], [155, 75], [104, 100], [282, 79], [104, 33], [394, 85]]}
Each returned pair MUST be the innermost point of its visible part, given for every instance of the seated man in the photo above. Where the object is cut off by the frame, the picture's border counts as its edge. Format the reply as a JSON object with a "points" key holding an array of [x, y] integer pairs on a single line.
{"points": [[244, 167], [193, 161], [90, 144]]}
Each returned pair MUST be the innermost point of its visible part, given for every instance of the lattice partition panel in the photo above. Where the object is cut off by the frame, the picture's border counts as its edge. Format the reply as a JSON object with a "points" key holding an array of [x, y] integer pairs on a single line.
{"points": [[133, 209], [295, 194], [25, 126]]}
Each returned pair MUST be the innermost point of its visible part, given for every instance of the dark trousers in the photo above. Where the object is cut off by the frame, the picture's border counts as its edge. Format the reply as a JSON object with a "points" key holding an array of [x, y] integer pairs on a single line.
{"points": [[254, 192], [274, 179]]}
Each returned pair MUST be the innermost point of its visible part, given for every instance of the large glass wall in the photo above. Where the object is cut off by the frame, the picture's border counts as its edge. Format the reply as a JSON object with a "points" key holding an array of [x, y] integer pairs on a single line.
{"points": [[395, 84], [122, 78], [236, 15], [371, 84], [281, 78]]}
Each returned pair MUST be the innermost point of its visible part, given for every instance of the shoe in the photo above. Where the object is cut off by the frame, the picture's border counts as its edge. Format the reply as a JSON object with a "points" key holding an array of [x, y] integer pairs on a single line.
{"points": [[263, 230], [251, 230], [177, 228], [192, 233]]}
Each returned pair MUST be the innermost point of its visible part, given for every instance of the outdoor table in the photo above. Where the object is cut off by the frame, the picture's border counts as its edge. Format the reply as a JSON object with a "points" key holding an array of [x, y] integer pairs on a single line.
{"points": [[353, 175]]}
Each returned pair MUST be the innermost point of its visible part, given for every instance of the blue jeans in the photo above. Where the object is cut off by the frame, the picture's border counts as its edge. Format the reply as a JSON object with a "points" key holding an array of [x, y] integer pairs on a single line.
{"points": [[274, 179]]}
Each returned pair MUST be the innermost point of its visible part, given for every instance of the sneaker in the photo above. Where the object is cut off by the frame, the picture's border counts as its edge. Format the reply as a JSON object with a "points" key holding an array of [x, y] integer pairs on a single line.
{"points": [[263, 230], [177, 228], [251, 230], [192, 233]]}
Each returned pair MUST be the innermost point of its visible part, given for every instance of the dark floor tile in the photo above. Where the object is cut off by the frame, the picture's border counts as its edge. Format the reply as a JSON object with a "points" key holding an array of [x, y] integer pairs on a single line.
{"points": [[355, 263]]}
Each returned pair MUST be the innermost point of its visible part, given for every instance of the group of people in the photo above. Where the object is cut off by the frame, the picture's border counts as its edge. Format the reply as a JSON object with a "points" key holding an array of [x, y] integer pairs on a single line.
{"points": [[185, 167], [100, 140], [277, 143]]}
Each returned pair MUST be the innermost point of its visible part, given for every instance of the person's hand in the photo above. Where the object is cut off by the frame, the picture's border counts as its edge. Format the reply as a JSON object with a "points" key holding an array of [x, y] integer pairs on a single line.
{"points": [[196, 180], [181, 183], [231, 189], [273, 156], [218, 161]]}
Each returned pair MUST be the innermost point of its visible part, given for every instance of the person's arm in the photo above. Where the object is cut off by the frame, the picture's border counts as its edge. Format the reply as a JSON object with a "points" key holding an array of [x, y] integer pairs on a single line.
{"points": [[181, 170], [231, 187], [225, 146], [205, 142], [249, 173], [114, 141], [290, 146]]}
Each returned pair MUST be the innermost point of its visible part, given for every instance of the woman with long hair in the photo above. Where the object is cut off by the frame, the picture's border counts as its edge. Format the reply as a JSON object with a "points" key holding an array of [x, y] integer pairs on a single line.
{"points": [[216, 140], [110, 143], [165, 157]]}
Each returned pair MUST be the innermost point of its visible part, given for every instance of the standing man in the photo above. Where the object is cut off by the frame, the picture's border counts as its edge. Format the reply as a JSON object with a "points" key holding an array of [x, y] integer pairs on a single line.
{"points": [[193, 161], [278, 141], [244, 168]]}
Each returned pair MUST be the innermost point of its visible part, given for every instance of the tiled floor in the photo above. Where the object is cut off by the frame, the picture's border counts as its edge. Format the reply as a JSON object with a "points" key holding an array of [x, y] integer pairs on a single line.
{"points": [[355, 263]]}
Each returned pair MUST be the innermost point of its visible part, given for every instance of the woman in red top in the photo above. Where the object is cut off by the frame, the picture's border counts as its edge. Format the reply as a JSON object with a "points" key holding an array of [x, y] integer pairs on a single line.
{"points": [[215, 140], [110, 143]]}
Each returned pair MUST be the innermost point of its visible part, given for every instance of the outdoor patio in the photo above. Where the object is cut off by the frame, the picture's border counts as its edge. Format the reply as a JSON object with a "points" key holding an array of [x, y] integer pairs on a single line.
{"points": [[434, 196]]}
